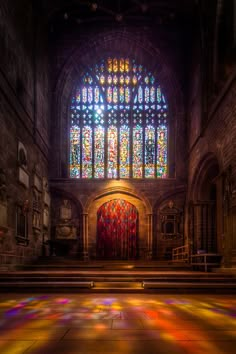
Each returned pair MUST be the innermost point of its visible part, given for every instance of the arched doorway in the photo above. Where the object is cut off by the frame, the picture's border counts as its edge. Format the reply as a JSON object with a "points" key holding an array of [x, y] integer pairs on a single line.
{"points": [[203, 208], [117, 230]]}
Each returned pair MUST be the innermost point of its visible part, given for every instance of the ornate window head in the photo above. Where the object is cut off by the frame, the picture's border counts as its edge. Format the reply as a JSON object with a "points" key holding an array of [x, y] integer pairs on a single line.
{"points": [[118, 123]]}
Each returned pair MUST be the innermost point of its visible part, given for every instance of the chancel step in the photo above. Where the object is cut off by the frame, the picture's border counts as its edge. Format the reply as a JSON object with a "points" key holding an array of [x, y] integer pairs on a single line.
{"points": [[187, 285], [117, 285], [108, 276], [59, 285]]}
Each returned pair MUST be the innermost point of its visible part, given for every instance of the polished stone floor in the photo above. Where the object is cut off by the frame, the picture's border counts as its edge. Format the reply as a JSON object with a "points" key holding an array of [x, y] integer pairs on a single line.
{"points": [[117, 323]]}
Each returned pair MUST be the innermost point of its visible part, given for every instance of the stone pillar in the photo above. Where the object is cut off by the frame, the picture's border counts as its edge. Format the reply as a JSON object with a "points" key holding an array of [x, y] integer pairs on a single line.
{"points": [[150, 236], [85, 236]]}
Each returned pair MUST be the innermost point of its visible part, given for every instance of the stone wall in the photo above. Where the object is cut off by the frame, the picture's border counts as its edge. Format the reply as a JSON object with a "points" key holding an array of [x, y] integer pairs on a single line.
{"points": [[24, 116], [212, 136]]}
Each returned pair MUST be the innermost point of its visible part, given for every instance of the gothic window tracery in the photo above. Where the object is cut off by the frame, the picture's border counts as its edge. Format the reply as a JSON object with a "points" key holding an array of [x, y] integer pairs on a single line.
{"points": [[118, 123]]}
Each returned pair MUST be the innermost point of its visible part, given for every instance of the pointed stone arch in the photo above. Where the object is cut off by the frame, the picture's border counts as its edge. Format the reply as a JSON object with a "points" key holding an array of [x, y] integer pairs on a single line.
{"points": [[204, 228]]}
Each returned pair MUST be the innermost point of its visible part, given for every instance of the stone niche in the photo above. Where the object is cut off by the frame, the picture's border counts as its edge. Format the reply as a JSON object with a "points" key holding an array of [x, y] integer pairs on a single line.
{"points": [[23, 175], [170, 233], [37, 205], [65, 226]]}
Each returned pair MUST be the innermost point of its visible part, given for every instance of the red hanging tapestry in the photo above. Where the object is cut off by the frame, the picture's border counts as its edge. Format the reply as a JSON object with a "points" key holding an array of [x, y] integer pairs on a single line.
{"points": [[117, 230]]}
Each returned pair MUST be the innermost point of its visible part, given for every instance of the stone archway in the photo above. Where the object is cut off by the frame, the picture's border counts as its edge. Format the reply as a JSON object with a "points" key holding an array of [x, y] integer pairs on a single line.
{"points": [[117, 230], [203, 228]]}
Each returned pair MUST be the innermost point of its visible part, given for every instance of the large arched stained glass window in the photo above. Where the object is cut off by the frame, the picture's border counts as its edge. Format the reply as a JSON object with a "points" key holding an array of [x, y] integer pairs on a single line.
{"points": [[118, 123]]}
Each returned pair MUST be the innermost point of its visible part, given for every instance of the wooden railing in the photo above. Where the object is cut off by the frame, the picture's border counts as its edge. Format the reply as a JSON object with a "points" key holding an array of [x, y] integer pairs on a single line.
{"points": [[205, 260], [180, 254]]}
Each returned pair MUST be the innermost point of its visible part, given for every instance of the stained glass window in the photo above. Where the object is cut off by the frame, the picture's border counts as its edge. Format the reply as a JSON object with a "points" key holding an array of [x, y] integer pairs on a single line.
{"points": [[118, 123]]}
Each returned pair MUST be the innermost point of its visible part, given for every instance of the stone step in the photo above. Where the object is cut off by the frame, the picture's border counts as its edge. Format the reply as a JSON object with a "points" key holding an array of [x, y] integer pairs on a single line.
{"points": [[187, 285], [124, 279], [58, 285], [117, 285], [136, 287]]}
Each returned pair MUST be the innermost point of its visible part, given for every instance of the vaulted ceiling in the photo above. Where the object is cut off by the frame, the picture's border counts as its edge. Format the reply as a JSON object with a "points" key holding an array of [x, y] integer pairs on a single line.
{"points": [[61, 13]]}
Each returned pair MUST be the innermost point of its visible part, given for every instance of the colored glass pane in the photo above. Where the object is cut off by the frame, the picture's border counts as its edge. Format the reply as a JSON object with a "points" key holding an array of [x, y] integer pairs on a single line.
{"points": [[146, 80], [127, 65], [90, 94], [102, 79], [152, 94], [135, 80], [146, 94], [124, 152], [74, 152], [78, 96], [158, 95], [96, 94], [122, 94], [122, 65], [127, 79], [112, 152], [90, 80], [115, 94], [162, 151], [137, 152], [115, 65], [87, 152], [127, 94], [109, 94], [99, 161], [84, 94], [109, 79], [122, 79], [140, 94], [109, 65], [115, 79], [149, 151]]}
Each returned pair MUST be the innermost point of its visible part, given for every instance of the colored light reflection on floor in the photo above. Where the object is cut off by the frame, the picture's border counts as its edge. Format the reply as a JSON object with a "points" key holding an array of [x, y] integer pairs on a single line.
{"points": [[118, 323]]}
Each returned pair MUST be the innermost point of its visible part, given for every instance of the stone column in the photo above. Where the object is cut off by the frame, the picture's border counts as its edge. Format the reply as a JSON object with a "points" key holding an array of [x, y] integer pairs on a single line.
{"points": [[85, 236], [150, 236]]}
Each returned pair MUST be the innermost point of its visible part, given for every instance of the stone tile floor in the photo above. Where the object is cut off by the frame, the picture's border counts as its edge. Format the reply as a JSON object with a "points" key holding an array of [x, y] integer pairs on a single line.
{"points": [[117, 323]]}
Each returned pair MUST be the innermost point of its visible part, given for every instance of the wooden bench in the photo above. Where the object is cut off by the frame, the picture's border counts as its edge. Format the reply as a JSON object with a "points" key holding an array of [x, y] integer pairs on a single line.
{"points": [[205, 260]]}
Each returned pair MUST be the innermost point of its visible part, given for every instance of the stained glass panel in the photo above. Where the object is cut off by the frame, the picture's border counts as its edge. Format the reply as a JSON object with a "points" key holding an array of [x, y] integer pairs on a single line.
{"points": [[124, 152], [84, 94], [109, 94], [75, 152], [99, 161], [112, 155], [149, 152], [96, 94], [146, 94], [162, 151], [127, 65], [115, 94], [90, 94], [122, 65], [140, 94], [122, 94], [127, 95], [109, 65], [87, 152], [138, 152]]}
